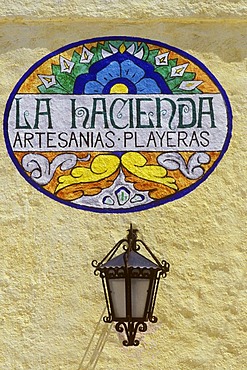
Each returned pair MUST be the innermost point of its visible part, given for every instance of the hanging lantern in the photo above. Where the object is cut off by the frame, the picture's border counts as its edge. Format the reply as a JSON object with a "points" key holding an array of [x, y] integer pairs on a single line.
{"points": [[130, 283]]}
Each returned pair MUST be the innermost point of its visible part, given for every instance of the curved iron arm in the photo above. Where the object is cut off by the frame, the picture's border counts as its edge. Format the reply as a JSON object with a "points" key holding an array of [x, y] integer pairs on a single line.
{"points": [[164, 265], [110, 254]]}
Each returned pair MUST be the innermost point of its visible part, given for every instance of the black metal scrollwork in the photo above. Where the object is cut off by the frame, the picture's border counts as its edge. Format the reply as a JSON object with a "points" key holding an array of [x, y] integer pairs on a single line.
{"points": [[107, 319], [130, 329], [153, 319], [95, 263]]}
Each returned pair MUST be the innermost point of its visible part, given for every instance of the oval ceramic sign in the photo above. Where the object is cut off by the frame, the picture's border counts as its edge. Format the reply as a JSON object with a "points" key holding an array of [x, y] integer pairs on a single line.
{"points": [[117, 124]]}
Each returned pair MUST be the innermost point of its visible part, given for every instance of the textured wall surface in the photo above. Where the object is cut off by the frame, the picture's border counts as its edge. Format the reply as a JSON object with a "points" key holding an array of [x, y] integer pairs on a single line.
{"points": [[50, 301]]}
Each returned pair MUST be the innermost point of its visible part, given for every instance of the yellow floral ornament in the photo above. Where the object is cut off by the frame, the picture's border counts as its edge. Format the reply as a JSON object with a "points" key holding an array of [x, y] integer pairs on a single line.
{"points": [[136, 163], [104, 165]]}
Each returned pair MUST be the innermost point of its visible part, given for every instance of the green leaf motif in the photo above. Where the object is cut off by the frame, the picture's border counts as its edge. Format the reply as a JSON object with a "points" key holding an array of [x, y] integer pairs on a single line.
{"points": [[145, 49], [76, 57], [79, 69], [56, 89], [174, 82], [65, 81], [164, 71], [116, 43], [152, 54]]}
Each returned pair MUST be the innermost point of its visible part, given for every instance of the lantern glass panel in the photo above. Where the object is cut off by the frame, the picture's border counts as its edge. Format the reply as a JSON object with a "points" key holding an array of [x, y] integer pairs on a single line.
{"points": [[117, 293], [139, 292]]}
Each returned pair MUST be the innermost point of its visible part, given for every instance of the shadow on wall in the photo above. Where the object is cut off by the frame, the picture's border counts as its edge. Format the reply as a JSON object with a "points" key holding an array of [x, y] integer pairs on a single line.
{"points": [[93, 351]]}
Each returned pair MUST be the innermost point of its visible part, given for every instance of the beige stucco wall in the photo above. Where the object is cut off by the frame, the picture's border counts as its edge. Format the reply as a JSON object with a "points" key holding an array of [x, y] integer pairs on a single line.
{"points": [[50, 301]]}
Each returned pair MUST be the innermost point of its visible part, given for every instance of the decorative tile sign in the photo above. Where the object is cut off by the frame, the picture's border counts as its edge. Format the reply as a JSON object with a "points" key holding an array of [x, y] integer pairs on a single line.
{"points": [[117, 124]]}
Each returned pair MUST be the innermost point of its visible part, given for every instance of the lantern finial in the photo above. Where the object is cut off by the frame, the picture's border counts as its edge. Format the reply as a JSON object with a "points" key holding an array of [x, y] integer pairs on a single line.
{"points": [[132, 236]]}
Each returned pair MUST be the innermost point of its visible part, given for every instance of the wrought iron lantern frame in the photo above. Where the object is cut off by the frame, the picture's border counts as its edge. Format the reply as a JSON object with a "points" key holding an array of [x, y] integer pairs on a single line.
{"points": [[129, 270]]}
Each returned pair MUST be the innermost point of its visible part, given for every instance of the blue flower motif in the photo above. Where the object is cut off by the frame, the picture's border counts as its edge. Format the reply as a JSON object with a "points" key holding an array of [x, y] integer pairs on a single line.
{"points": [[136, 76]]}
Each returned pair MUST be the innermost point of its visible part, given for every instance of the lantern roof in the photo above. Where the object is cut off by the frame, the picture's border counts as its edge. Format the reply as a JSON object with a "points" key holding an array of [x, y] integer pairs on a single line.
{"points": [[133, 259]]}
